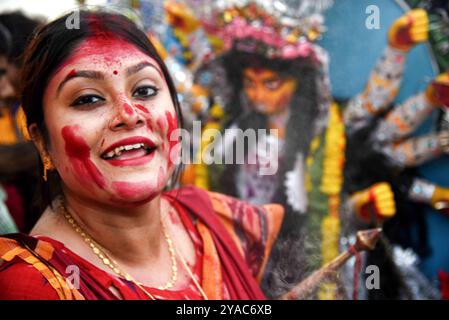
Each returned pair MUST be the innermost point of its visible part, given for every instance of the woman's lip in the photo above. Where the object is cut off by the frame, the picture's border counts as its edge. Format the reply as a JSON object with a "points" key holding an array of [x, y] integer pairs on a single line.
{"points": [[128, 141], [134, 161]]}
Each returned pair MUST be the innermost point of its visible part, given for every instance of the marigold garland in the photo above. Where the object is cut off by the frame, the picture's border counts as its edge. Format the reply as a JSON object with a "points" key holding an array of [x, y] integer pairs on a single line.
{"points": [[331, 184], [201, 169]]}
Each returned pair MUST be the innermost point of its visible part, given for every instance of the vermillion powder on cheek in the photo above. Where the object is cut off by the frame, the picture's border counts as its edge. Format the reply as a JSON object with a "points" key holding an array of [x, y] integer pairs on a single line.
{"points": [[161, 177], [78, 153], [142, 108]]}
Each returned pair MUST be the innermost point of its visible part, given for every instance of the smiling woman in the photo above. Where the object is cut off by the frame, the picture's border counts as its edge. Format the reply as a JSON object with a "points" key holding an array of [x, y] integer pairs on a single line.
{"points": [[101, 108]]}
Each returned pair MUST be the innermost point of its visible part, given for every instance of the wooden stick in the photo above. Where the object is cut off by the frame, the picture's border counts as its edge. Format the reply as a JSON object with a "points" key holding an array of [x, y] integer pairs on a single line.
{"points": [[366, 240]]}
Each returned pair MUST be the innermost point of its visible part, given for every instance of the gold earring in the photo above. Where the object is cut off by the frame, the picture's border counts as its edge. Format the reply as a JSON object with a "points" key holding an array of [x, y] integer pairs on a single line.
{"points": [[48, 165]]}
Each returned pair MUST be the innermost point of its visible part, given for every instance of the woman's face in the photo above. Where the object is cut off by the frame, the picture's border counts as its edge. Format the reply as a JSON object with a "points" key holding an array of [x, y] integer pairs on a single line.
{"points": [[109, 116], [268, 92]]}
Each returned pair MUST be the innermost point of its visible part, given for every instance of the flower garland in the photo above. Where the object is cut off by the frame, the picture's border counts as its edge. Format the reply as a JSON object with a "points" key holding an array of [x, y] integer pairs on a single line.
{"points": [[201, 169], [331, 184]]}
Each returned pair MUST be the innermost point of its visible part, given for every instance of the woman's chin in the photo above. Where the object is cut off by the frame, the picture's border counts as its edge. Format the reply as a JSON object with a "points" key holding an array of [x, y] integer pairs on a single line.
{"points": [[134, 193]]}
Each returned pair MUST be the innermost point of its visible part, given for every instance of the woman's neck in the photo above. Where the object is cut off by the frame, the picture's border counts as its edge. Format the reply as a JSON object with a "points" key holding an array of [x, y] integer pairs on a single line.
{"points": [[132, 235]]}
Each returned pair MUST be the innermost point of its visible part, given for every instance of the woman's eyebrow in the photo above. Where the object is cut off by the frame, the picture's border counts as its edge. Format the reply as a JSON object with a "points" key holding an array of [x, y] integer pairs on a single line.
{"points": [[136, 68], [96, 75]]}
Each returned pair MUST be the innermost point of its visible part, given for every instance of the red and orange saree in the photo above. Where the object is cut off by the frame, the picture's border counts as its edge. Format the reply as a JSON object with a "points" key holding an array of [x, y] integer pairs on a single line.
{"points": [[232, 239]]}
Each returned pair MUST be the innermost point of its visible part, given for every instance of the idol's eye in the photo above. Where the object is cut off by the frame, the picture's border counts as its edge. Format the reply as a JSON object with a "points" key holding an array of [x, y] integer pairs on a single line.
{"points": [[273, 84], [87, 99], [145, 92]]}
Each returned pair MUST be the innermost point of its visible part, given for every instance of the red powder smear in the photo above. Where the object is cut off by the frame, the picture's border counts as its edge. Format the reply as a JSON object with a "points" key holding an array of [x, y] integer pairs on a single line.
{"points": [[115, 72], [71, 73], [97, 27], [107, 45], [79, 153], [102, 143], [160, 123], [128, 109], [172, 126], [149, 125], [142, 108], [172, 217], [161, 178], [128, 190]]}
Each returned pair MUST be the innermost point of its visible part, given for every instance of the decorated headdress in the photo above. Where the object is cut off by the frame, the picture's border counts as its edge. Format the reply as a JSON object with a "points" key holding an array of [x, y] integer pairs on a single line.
{"points": [[275, 29]]}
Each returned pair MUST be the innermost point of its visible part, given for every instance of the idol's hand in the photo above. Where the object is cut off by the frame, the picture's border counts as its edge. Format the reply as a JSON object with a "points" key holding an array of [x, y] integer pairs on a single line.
{"points": [[376, 202], [437, 92], [409, 29]]}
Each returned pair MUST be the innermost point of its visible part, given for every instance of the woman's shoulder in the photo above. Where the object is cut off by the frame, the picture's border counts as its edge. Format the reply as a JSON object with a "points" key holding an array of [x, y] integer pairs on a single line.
{"points": [[20, 279]]}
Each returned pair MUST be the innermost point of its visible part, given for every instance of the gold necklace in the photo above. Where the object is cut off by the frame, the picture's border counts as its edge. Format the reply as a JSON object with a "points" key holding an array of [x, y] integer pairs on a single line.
{"points": [[111, 263]]}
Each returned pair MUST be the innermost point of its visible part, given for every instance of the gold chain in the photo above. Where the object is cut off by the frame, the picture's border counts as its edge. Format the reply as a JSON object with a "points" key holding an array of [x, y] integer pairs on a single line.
{"points": [[111, 263]]}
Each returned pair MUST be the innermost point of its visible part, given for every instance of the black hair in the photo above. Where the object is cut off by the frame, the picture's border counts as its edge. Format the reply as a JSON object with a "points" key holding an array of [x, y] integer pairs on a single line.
{"points": [[5, 41], [408, 228], [21, 29], [52, 45]]}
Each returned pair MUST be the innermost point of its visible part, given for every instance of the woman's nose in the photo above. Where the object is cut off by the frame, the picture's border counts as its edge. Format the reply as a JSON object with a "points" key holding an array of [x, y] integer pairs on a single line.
{"points": [[126, 116]]}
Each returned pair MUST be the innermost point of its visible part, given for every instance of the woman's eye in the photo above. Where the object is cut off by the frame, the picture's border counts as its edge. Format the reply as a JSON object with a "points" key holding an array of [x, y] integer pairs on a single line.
{"points": [[87, 100], [145, 92]]}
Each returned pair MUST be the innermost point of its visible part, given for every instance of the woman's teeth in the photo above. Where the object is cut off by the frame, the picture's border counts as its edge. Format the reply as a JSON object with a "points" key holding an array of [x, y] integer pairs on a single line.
{"points": [[118, 151]]}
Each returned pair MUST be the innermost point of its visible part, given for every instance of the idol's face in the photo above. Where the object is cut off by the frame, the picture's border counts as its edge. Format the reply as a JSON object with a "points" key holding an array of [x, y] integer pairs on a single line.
{"points": [[109, 116], [267, 91]]}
